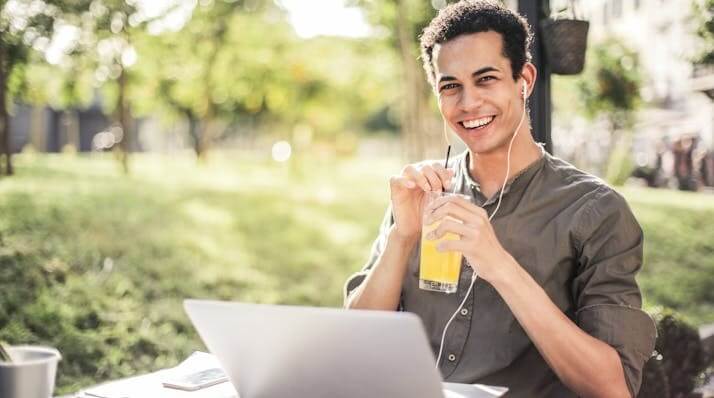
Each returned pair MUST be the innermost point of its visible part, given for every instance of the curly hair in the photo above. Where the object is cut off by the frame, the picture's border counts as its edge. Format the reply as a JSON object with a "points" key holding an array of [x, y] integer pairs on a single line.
{"points": [[474, 16]]}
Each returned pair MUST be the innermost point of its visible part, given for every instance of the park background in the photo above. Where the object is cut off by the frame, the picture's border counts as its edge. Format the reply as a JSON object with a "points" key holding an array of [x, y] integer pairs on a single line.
{"points": [[240, 150]]}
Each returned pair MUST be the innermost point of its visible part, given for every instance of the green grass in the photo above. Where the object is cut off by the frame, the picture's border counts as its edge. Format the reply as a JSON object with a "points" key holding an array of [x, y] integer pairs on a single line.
{"points": [[97, 263], [678, 270]]}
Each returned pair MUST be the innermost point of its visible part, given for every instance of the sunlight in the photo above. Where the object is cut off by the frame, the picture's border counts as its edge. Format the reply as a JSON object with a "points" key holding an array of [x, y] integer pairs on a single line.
{"points": [[325, 17]]}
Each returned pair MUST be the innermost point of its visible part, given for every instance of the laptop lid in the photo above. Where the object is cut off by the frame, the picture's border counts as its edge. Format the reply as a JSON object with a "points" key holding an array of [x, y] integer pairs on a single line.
{"points": [[271, 351]]}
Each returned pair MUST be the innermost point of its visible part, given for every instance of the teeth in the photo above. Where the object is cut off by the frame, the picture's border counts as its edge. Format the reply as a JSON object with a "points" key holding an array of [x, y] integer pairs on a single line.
{"points": [[469, 124]]}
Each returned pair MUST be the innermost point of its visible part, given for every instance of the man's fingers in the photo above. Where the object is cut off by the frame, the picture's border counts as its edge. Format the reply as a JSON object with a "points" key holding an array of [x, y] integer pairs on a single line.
{"points": [[454, 227], [459, 201], [444, 174], [403, 182], [454, 210], [413, 174], [433, 178], [448, 245]]}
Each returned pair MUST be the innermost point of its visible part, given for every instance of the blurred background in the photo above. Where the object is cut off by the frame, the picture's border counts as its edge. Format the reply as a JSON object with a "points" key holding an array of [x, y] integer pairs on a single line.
{"points": [[155, 150]]}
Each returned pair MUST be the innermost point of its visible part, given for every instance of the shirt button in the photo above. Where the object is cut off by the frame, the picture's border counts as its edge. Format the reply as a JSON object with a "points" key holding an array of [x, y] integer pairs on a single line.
{"points": [[464, 311], [452, 357]]}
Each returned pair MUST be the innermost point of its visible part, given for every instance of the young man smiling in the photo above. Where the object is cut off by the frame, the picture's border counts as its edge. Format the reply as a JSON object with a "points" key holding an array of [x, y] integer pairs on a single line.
{"points": [[556, 309]]}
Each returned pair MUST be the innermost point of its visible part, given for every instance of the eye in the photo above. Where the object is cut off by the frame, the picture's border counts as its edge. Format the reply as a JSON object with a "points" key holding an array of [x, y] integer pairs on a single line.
{"points": [[448, 86], [486, 79]]}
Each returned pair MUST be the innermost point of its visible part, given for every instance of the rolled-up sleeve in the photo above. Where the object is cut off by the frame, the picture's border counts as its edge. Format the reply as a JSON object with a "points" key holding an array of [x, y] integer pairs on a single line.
{"points": [[608, 300], [380, 242]]}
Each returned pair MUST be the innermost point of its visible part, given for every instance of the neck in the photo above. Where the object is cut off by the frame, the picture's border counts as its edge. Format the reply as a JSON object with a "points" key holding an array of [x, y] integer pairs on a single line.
{"points": [[489, 169]]}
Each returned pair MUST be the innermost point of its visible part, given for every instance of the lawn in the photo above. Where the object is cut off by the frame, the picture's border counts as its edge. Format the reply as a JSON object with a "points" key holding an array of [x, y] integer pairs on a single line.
{"points": [[96, 263]]}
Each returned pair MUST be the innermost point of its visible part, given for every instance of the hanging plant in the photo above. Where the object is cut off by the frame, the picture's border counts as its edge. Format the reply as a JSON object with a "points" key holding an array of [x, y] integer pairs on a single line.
{"points": [[565, 38]]}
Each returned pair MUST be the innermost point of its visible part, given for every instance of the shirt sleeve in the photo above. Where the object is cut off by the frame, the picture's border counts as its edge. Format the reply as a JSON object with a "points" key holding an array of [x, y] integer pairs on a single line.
{"points": [[608, 300], [357, 278]]}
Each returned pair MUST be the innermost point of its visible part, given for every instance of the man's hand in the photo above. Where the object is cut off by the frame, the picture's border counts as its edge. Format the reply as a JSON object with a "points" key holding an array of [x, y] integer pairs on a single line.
{"points": [[407, 195], [478, 241]]}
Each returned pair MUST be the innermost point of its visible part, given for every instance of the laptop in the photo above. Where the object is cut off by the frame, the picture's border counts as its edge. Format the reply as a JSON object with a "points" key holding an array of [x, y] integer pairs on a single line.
{"points": [[272, 351]]}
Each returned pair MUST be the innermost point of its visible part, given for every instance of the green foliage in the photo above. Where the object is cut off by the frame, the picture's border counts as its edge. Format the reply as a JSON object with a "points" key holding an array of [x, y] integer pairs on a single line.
{"points": [[609, 88], [97, 264], [679, 251], [620, 166], [27, 26], [680, 362], [704, 15], [611, 82]]}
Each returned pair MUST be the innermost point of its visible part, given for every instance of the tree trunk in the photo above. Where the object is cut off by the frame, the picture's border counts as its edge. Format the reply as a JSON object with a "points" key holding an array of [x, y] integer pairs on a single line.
{"points": [[122, 117], [194, 133], [420, 128], [5, 147], [409, 115]]}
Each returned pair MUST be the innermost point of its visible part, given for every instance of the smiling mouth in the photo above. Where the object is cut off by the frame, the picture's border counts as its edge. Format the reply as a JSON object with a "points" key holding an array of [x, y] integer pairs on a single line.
{"points": [[477, 124]]}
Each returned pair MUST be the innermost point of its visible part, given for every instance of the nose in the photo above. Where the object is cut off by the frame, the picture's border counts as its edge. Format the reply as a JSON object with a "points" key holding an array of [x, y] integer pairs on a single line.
{"points": [[470, 99]]}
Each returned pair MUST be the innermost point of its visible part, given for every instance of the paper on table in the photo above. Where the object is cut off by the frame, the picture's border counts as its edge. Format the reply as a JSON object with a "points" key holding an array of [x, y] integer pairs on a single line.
{"points": [[458, 390], [149, 386]]}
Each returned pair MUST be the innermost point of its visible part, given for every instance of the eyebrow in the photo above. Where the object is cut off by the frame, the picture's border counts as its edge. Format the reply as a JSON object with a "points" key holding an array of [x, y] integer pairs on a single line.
{"points": [[479, 72]]}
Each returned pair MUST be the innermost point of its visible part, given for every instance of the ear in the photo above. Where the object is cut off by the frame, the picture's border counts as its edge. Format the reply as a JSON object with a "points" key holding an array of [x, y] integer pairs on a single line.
{"points": [[528, 75]]}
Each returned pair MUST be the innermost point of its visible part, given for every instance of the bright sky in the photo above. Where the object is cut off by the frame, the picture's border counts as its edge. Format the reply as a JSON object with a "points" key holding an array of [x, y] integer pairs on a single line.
{"points": [[309, 18], [312, 18]]}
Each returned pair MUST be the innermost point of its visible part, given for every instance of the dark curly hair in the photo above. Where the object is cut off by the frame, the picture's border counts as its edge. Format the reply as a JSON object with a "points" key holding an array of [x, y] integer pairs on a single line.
{"points": [[473, 16]]}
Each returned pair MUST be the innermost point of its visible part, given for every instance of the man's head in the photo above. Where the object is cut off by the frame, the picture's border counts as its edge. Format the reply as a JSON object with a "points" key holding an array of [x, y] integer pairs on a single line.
{"points": [[466, 17], [476, 57]]}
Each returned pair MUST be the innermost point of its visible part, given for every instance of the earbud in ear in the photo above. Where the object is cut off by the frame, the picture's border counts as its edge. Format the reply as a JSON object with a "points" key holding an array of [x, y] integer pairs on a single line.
{"points": [[524, 91]]}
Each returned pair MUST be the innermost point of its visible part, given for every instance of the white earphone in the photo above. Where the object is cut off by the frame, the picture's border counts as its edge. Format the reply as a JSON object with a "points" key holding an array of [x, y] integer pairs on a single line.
{"points": [[524, 91]]}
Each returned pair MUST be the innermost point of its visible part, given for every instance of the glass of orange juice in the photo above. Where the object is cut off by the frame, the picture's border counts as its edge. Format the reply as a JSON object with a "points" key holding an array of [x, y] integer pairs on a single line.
{"points": [[438, 271]]}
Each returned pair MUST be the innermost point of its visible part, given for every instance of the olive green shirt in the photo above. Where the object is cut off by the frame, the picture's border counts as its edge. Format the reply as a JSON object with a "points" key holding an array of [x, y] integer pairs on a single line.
{"points": [[578, 239]]}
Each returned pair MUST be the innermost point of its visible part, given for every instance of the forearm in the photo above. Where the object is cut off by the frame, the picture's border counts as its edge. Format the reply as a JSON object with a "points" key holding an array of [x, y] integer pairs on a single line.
{"points": [[588, 366], [382, 288]]}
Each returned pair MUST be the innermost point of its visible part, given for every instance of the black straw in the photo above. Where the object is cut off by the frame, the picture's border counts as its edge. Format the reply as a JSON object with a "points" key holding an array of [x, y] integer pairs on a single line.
{"points": [[446, 162]]}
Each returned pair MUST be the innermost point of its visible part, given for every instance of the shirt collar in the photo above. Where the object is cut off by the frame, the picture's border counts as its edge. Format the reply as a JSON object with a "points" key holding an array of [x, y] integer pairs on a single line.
{"points": [[470, 182]]}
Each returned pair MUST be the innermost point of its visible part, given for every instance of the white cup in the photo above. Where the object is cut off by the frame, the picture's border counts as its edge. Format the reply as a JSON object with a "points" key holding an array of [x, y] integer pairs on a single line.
{"points": [[31, 374]]}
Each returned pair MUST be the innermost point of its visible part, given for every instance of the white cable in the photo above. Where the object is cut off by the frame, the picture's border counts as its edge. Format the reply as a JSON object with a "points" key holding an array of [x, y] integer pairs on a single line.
{"points": [[443, 335], [498, 205]]}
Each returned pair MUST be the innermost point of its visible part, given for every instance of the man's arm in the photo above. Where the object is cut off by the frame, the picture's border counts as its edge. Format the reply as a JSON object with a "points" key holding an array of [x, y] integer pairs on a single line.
{"points": [[588, 366], [382, 288]]}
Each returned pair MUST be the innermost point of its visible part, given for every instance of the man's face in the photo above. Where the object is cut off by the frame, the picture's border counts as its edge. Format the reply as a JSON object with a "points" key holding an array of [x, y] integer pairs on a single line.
{"points": [[478, 97]]}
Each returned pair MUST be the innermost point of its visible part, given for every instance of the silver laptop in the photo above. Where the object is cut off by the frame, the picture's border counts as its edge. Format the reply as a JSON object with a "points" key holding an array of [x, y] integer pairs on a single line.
{"points": [[273, 351]]}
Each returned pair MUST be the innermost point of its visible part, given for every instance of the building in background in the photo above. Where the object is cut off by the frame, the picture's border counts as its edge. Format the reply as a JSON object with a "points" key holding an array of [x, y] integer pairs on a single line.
{"points": [[677, 112]]}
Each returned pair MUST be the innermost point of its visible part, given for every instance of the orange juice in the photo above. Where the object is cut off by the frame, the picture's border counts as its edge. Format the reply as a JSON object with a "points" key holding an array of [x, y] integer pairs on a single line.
{"points": [[438, 271]]}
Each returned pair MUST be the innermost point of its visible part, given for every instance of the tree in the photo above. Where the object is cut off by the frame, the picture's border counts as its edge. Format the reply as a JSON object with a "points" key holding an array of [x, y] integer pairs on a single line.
{"points": [[25, 26], [243, 76], [191, 81], [109, 28], [404, 20], [610, 88]]}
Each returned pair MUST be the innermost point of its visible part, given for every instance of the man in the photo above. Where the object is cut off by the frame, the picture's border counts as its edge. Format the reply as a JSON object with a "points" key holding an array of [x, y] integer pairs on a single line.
{"points": [[556, 309]]}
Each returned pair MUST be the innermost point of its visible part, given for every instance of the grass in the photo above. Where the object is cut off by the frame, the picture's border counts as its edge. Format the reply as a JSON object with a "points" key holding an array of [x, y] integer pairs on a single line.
{"points": [[679, 251], [97, 263]]}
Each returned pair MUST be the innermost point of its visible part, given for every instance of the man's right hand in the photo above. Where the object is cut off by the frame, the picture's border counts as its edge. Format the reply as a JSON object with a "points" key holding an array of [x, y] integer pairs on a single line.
{"points": [[407, 194]]}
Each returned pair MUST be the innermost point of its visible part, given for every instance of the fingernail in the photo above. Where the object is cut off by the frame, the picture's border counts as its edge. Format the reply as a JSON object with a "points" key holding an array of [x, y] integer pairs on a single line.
{"points": [[410, 184]]}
